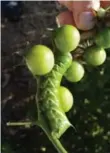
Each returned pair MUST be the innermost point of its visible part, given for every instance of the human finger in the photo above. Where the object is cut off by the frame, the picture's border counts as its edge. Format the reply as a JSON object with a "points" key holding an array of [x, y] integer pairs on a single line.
{"points": [[65, 17], [105, 3], [83, 14]]}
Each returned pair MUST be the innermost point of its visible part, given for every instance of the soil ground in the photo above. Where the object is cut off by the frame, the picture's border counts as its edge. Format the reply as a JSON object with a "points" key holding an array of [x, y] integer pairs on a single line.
{"points": [[18, 86]]}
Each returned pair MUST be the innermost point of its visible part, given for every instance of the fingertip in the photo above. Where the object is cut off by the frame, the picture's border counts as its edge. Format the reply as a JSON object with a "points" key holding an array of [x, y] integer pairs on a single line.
{"points": [[85, 20], [105, 3], [65, 18], [83, 14]]}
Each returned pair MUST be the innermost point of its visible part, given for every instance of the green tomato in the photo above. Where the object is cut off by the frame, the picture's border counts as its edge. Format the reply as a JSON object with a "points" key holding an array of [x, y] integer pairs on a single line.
{"points": [[95, 55], [65, 98], [101, 12], [66, 38], [102, 38], [40, 60], [75, 72]]}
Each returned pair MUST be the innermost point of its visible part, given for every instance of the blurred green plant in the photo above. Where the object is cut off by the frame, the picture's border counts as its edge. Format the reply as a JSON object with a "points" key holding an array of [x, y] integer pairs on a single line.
{"points": [[91, 112]]}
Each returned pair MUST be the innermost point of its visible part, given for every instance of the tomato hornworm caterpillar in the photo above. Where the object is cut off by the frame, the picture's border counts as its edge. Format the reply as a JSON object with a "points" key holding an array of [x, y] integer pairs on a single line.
{"points": [[48, 103]]}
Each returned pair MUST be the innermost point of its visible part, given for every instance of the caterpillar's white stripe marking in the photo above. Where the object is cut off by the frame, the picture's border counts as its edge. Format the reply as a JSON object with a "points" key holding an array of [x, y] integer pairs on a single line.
{"points": [[54, 74], [63, 115], [54, 102], [61, 64], [52, 84]]}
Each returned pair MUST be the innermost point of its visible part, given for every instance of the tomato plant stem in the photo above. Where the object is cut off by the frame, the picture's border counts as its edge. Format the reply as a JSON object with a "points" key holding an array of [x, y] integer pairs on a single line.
{"points": [[56, 142], [108, 8]]}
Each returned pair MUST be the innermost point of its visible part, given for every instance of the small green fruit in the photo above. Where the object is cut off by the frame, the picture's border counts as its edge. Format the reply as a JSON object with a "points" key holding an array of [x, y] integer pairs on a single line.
{"points": [[75, 73], [40, 60], [65, 98], [101, 12], [66, 38], [102, 38], [95, 55]]}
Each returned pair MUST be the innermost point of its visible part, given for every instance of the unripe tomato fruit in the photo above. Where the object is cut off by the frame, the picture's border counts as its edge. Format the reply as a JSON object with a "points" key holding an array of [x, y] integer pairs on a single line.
{"points": [[95, 55], [67, 38], [101, 12], [65, 98], [75, 72], [40, 60], [102, 38]]}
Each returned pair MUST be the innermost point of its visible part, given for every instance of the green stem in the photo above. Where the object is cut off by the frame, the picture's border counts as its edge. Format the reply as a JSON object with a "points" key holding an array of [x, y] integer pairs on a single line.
{"points": [[58, 145], [56, 142], [107, 9], [21, 123], [58, 23]]}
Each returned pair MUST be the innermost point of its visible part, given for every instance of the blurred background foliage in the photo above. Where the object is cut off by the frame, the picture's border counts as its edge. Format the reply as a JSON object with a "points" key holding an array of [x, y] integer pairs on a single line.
{"points": [[91, 112]]}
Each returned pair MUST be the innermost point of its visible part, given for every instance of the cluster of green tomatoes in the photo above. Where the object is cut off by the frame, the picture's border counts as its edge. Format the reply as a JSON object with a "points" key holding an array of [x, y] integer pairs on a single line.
{"points": [[41, 59]]}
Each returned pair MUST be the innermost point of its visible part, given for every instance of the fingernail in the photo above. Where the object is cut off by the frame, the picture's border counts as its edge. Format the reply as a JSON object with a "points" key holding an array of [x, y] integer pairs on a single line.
{"points": [[86, 20]]}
